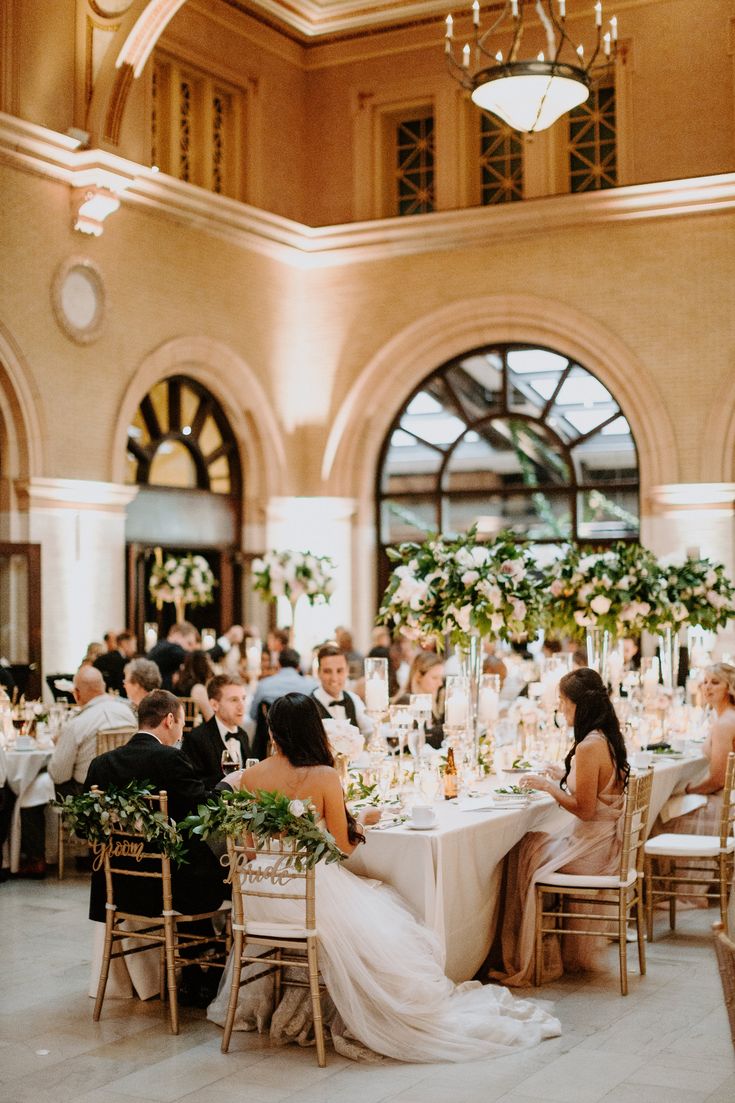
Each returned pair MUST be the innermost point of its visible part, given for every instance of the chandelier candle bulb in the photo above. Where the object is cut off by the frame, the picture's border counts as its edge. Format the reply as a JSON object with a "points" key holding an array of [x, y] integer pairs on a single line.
{"points": [[580, 51], [450, 28], [514, 7], [562, 9], [598, 13], [466, 56], [499, 56], [614, 28], [607, 43], [476, 13]]}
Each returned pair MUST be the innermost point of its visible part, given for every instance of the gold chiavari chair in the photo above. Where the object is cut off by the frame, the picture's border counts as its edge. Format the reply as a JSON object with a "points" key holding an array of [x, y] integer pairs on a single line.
{"points": [[623, 891], [675, 864], [288, 945], [725, 950], [107, 740], [122, 850], [192, 715]]}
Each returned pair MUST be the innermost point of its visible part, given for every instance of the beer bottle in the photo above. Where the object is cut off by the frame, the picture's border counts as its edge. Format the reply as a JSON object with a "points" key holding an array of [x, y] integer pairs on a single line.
{"points": [[450, 776]]}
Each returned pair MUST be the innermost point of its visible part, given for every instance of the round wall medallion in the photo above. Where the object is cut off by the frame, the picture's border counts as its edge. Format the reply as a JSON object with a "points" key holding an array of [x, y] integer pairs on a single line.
{"points": [[78, 297]]}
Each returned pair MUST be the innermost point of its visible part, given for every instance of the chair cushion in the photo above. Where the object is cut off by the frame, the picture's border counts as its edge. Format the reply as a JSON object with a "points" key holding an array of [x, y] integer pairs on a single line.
{"points": [[277, 930], [583, 881], [687, 846]]}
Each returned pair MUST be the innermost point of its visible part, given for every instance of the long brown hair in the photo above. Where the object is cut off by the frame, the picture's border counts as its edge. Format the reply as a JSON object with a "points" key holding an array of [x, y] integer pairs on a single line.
{"points": [[594, 712]]}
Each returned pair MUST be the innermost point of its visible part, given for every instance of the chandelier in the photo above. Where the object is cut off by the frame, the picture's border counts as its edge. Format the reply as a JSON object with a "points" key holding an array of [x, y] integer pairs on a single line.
{"points": [[529, 94]]}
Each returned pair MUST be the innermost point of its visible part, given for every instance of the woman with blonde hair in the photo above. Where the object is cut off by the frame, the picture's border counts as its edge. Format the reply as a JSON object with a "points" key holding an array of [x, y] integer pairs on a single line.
{"points": [[426, 675], [718, 692]]}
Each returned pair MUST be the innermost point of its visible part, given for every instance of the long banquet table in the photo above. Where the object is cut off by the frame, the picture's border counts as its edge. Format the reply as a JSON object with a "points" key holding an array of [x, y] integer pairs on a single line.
{"points": [[450, 876]]}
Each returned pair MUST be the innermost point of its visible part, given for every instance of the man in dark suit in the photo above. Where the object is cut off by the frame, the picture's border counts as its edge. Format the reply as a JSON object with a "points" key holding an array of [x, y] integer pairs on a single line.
{"points": [[112, 663], [205, 744], [169, 654], [151, 755]]}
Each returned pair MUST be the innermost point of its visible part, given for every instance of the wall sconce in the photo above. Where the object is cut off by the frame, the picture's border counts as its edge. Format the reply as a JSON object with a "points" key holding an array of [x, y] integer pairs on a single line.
{"points": [[91, 206]]}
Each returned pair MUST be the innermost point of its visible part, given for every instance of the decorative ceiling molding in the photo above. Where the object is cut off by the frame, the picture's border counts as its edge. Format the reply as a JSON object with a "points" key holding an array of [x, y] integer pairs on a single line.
{"points": [[43, 152]]}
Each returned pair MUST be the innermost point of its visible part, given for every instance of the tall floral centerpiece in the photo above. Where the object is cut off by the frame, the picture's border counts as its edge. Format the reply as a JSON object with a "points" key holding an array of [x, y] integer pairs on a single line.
{"points": [[602, 594], [183, 580], [294, 575], [463, 589], [691, 591]]}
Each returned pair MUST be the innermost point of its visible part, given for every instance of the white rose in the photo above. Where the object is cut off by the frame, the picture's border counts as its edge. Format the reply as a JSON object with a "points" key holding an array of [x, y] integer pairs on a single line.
{"points": [[680, 612], [556, 588], [497, 621], [258, 566], [480, 556], [600, 604], [710, 578], [519, 608], [585, 591], [582, 619], [491, 592], [297, 808], [469, 578]]}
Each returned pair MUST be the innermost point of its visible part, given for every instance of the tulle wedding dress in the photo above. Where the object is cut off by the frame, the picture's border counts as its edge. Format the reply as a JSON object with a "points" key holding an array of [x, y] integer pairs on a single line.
{"points": [[384, 974]]}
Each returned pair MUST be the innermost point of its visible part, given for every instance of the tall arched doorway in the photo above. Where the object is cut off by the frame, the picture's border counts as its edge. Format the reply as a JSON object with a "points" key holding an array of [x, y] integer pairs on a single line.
{"points": [[183, 455], [509, 436]]}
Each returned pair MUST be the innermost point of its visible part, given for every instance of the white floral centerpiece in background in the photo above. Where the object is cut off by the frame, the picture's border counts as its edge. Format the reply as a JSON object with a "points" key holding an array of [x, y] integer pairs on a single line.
{"points": [[693, 591], [615, 590], [183, 580], [293, 575], [462, 587]]}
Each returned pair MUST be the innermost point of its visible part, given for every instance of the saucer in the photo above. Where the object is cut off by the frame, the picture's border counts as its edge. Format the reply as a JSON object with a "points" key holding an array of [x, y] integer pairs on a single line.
{"points": [[422, 826]]}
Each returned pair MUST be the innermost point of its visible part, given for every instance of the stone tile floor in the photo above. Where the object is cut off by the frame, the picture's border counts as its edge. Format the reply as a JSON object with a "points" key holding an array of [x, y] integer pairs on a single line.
{"points": [[667, 1041]]}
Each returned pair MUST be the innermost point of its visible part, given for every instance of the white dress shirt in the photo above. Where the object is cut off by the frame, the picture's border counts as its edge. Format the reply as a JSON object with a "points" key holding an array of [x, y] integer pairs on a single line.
{"points": [[77, 744], [362, 719]]}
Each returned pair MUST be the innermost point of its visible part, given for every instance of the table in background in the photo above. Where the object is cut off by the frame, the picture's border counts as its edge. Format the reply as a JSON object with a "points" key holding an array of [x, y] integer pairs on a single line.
{"points": [[23, 769]]}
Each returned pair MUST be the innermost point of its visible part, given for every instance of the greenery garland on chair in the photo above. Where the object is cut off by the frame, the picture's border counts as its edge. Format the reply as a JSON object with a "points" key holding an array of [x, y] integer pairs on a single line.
{"points": [[264, 815], [95, 816]]}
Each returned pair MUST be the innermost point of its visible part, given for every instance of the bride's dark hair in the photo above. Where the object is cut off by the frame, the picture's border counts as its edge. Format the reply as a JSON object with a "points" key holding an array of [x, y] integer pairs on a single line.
{"points": [[297, 730], [594, 712]]}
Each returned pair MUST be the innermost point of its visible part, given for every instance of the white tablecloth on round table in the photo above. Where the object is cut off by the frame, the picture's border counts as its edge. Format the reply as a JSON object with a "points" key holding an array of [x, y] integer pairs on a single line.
{"points": [[23, 768]]}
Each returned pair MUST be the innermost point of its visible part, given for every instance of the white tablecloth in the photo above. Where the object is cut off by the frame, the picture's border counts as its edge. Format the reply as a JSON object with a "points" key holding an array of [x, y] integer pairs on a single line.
{"points": [[450, 876], [23, 768]]}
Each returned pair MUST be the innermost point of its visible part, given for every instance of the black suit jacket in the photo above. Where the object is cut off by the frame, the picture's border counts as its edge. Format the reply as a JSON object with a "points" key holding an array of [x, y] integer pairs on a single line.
{"points": [[198, 884], [203, 747]]}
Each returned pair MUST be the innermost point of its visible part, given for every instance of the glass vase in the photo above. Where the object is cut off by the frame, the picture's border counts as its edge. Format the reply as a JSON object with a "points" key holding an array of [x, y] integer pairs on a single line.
{"points": [[598, 642], [668, 642]]}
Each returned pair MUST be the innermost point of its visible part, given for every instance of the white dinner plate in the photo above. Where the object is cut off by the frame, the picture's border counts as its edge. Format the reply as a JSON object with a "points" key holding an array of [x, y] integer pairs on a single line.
{"points": [[422, 826]]}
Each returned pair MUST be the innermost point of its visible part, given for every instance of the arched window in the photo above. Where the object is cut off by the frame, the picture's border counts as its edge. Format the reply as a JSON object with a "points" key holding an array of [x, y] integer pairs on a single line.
{"points": [[180, 437], [510, 436]]}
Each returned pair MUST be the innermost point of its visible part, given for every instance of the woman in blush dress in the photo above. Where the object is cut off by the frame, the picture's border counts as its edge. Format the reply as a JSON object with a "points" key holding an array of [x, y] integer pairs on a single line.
{"points": [[591, 786], [383, 970]]}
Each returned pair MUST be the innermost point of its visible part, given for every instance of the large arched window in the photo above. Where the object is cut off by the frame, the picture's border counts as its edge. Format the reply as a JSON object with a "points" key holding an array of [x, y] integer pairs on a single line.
{"points": [[510, 436]]}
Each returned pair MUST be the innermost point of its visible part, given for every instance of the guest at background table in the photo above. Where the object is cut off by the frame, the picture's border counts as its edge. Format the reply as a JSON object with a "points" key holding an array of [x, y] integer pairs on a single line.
{"points": [[112, 663], [77, 742], [93, 652], [592, 787], [287, 679], [140, 677], [110, 640], [277, 640], [426, 675], [333, 701], [192, 678], [170, 653], [345, 641], [718, 693], [226, 651], [205, 745]]}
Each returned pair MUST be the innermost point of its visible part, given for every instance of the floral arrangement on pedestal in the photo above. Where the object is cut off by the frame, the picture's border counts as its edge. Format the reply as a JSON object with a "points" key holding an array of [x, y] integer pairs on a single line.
{"points": [[615, 589], [183, 580], [292, 575], [462, 587], [693, 591]]}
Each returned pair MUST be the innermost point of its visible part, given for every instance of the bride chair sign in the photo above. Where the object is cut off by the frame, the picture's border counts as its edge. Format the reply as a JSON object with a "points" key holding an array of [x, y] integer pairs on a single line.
{"points": [[279, 871]]}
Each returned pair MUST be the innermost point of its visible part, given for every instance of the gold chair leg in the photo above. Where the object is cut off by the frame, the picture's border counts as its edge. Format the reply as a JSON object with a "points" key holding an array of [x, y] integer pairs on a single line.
{"points": [[104, 969], [648, 876], [639, 928], [623, 944], [277, 979], [234, 989], [60, 846], [316, 1002], [672, 897], [170, 943], [538, 957], [724, 885]]}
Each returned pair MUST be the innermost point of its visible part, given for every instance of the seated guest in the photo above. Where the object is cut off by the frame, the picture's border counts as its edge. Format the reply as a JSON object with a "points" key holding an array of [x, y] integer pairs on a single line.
{"points": [[205, 745], [77, 743], [592, 787], [344, 640], [110, 640], [226, 650], [112, 663], [191, 681], [332, 699], [276, 641], [170, 653], [287, 679], [93, 652], [426, 675], [140, 677], [151, 755]]}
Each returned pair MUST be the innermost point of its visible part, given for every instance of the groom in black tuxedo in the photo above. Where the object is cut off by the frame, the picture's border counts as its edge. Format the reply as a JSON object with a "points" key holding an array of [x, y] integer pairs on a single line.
{"points": [[205, 744], [151, 755]]}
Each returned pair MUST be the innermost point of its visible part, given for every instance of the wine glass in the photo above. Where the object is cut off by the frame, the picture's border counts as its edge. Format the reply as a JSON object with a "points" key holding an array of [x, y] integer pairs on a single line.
{"points": [[401, 721], [421, 707], [228, 762], [429, 783]]}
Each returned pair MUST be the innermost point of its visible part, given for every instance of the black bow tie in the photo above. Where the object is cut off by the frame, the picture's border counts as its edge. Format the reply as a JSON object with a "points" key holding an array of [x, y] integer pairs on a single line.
{"points": [[342, 703]]}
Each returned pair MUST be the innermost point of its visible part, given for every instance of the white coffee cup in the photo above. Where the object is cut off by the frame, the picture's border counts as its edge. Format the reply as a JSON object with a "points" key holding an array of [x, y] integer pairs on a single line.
{"points": [[422, 815], [641, 760]]}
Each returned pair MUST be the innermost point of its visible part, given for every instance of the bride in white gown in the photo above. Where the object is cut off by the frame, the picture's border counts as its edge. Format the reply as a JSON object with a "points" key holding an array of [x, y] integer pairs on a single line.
{"points": [[383, 970]]}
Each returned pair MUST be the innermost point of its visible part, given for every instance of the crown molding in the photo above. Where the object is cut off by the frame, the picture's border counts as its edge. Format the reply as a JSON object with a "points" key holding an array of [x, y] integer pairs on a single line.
{"points": [[38, 151]]}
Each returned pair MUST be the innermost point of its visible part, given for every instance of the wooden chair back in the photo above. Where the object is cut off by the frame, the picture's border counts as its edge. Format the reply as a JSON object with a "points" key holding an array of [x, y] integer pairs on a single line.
{"points": [[635, 823], [727, 816], [192, 716], [725, 950], [278, 874], [108, 739]]}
